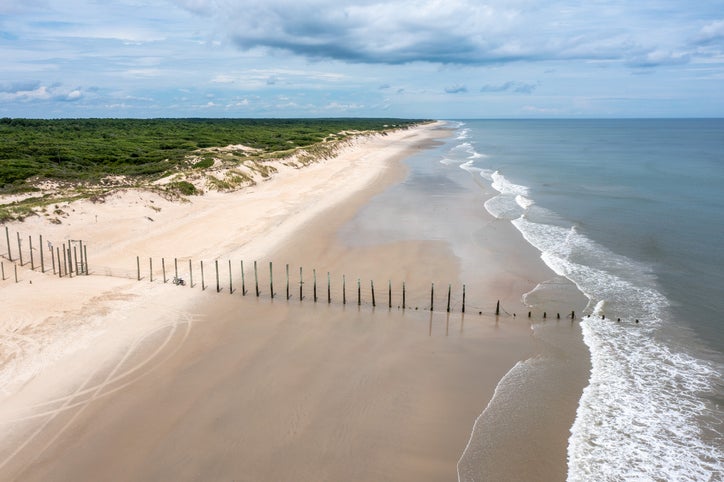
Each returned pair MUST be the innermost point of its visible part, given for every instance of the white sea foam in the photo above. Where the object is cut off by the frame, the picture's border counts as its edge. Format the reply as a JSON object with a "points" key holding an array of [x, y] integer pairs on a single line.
{"points": [[503, 186], [463, 134], [639, 417], [523, 201]]}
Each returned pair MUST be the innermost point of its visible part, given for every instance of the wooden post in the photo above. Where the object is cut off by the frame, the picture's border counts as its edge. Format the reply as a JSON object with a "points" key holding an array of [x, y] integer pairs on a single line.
{"points": [[287, 269], [448, 298], [359, 293], [497, 308], [573, 315], [191, 274], [432, 295], [403, 295], [216, 266], [243, 282], [2, 269], [389, 294], [231, 280], [175, 268], [52, 257], [301, 282], [344, 290], [163, 268], [329, 289], [20, 249], [65, 261], [314, 274], [75, 258], [80, 251], [463, 298], [256, 280], [271, 279], [545, 315], [70, 261], [372, 289], [150, 269], [7, 238], [203, 282], [16, 272], [42, 259], [32, 259], [85, 256], [60, 271]]}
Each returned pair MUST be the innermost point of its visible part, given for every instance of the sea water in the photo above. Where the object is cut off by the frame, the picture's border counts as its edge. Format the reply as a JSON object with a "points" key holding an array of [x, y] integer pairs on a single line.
{"points": [[632, 212]]}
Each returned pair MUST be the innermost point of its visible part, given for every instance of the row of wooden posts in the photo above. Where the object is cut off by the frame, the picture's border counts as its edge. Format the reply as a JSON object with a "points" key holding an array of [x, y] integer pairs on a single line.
{"points": [[315, 296], [74, 259]]}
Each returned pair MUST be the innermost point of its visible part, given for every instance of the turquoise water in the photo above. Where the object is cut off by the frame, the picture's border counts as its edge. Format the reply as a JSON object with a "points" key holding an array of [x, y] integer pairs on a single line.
{"points": [[631, 211]]}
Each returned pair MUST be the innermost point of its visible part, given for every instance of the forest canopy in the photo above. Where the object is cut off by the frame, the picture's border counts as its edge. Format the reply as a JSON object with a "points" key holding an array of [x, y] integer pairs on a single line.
{"points": [[90, 149]]}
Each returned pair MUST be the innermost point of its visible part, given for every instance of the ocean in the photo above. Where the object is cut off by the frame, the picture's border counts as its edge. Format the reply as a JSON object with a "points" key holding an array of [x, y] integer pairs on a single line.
{"points": [[631, 212]]}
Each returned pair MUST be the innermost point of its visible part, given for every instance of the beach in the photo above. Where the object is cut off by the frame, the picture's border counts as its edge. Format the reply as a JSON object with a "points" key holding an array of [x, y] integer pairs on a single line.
{"points": [[108, 377]]}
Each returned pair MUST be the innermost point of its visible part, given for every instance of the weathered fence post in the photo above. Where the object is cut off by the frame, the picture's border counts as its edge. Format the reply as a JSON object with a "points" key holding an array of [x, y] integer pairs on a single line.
{"points": [[2, 269], [175, 268], [65, 261], [32, 259], [301, 282], [243, 281], [403, 295], [52, 258], [344, 290], [271, 280], [389, 294], [60, 271], [314, 275], [191, 274], [7, 238], [432, 295], [16, 272], [287, 270], [203, 282], [329, 289], [231, 280], [150, 269], [256, 280], [359, 292], [372, 289], [42, 259], [463, 299], [573, 315], [163, 268], [216, 265], [85, 256], [20, 249], [448, 298], [75, 259], [70, 261], [497, 308]]}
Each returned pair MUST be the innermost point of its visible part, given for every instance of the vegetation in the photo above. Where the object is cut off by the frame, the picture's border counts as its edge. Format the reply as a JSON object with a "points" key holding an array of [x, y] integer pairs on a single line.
{"points": [[90, 157], [90, 149]]}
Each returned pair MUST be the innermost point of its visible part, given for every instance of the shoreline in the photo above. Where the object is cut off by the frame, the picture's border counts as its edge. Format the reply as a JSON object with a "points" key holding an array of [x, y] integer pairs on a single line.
{"points": [[187, 327]]}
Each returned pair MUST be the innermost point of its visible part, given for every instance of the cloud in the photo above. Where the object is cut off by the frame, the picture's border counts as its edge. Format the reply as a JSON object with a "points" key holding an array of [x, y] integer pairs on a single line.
{"points": [[35, 91], [464, 32], [711, 33], [456, 89], [517, 87]]}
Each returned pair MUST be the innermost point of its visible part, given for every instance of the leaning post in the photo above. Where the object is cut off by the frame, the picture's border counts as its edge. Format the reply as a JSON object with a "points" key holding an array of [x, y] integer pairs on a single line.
{"points": [[20, 249], [163, 268], [32, 259], [7, 238], [150, 269], [42, 259], [271, 280], [372, 289], [218, 286], [203, 282]]}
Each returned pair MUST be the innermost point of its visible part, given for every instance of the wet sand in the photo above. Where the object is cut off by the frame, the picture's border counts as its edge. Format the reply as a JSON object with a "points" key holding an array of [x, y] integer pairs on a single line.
{"points": [[244, 388]]}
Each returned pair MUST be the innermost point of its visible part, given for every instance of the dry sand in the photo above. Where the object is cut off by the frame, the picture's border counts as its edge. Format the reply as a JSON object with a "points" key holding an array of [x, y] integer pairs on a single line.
{"points": [[109, 378]]}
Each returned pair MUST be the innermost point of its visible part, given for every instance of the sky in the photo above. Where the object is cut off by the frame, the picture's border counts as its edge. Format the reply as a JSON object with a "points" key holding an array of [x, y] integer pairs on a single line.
{"points": [[442, 59]]}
